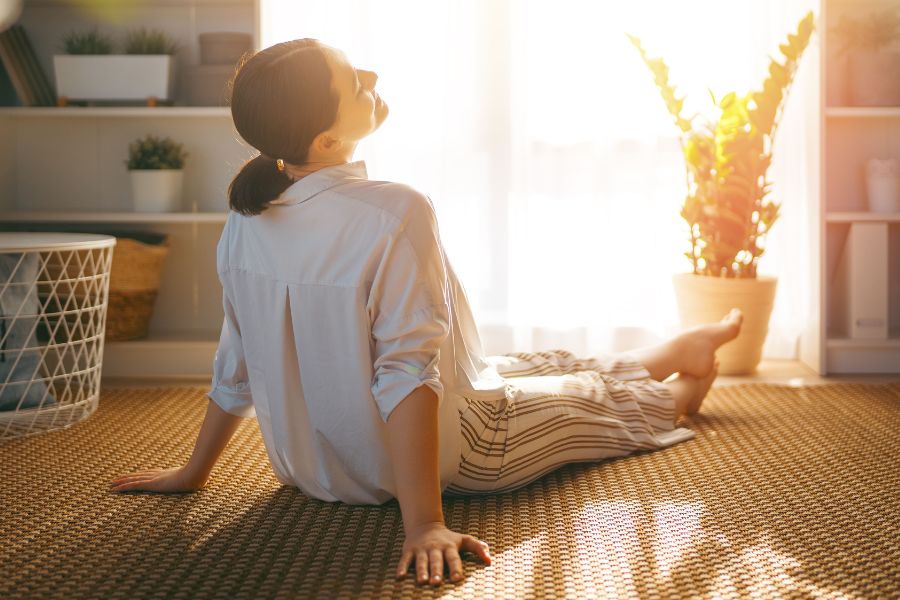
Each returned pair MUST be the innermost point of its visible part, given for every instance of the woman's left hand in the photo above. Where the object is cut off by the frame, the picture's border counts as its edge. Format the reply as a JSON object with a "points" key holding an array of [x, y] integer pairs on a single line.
{"points": [[158, 480], [431, 546]]}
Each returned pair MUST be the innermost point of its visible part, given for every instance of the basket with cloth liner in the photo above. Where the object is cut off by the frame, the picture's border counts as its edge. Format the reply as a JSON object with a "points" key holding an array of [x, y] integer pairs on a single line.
{"points": [[134, 283], [134, 278]]}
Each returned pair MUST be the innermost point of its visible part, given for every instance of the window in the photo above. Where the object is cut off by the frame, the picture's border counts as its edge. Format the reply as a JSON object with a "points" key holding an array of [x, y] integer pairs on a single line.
{"points": [[553, 166]]}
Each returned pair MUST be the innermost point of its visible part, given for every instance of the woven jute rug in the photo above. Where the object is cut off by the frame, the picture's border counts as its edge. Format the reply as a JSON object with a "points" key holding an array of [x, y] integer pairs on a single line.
{"points": [[785, 491]]}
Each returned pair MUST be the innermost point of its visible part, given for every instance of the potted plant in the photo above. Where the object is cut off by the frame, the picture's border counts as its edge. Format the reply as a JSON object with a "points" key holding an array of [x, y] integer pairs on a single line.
{"points": [[156, 166], [727, 208], [89, 70], [873, 71]]}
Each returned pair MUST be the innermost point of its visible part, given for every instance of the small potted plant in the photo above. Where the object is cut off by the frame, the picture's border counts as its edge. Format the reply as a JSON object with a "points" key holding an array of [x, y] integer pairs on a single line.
{"points": [[156, 166], [90, 71], [726, 207], [873, 71]]}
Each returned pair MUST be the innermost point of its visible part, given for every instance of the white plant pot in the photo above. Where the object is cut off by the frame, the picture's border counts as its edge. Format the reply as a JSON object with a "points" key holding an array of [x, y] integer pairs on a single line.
{"points": [[156, 190], [115, 76], [704, 299], [883, 185]]}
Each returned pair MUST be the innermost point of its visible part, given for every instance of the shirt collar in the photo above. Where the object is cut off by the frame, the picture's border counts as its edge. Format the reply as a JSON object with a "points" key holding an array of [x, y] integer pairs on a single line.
{"points": [[318, 181]]}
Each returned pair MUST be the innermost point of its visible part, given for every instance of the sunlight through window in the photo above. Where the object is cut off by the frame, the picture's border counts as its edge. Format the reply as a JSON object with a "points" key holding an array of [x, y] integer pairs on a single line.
{"points": [[542, 140]]}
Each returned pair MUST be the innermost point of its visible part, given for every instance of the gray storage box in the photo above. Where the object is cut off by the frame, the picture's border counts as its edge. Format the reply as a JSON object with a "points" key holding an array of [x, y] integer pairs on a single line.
{"points": [[207, 84], [224, 47]]}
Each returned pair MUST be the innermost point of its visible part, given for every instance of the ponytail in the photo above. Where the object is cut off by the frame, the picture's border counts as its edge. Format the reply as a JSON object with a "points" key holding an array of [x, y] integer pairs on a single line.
{"points": [[257, 183]]}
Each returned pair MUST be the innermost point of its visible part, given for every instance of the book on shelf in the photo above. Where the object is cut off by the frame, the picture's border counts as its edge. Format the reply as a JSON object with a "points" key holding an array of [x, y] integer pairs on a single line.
{"points": [[45, 92], [8, 95], [860, 293], [24, 71], [14, 69]]}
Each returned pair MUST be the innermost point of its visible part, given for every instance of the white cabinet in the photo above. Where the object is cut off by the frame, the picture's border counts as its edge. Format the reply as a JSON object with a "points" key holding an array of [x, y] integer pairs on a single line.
{"points": [[63, 169], [850, 136]]}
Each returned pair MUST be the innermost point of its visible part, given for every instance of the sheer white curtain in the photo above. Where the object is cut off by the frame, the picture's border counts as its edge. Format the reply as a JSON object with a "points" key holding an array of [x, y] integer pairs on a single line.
{"points": [[553, 166]]}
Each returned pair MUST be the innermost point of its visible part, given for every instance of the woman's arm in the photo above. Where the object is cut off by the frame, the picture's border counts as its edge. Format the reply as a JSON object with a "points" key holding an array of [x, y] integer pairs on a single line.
{"points": [[215, 433], [413, 439], [217, 429]]}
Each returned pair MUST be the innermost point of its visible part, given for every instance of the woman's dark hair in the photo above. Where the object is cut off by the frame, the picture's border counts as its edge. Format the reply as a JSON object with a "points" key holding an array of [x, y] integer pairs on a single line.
{"points": [[281, 99]]}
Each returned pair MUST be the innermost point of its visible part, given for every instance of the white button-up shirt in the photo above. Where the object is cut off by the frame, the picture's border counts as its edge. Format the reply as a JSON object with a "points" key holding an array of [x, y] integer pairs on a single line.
{"points": [[339, 301]]}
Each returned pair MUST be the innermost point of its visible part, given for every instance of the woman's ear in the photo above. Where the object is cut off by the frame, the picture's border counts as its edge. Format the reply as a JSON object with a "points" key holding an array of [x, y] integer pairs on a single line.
{"points": [[325, 143]]}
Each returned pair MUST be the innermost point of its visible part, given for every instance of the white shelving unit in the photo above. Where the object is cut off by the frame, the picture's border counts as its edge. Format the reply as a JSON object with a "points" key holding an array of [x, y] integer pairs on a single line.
{"points": [[862, 112], [861, 217], [24, 216], [63, 169], [107, 112], [850, 135]]}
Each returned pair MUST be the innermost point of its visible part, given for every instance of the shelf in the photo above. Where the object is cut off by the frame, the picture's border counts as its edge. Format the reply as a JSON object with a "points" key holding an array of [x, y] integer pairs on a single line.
{"points": [[863, 112], [136, 3], [183, 354], [175, 338], [845, 342], [868, 4], [870, 217], [112, 217], [115, 111], [856, 356]]}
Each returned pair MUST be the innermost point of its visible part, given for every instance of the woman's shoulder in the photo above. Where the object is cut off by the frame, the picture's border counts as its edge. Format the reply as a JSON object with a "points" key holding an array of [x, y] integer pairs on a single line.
{"points": [[400, 199]]}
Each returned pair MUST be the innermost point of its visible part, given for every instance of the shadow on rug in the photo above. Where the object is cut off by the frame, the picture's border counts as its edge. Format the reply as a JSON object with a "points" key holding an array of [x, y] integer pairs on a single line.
{"points": [[788, 491]]}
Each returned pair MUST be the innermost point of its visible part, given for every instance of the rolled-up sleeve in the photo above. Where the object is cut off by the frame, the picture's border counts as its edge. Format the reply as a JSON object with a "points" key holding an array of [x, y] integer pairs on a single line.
{"points": [[409, 311], [230, 383]]}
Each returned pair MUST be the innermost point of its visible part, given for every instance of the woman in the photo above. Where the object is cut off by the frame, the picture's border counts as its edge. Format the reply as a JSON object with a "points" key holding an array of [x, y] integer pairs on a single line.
{"points": [[350, 338]]}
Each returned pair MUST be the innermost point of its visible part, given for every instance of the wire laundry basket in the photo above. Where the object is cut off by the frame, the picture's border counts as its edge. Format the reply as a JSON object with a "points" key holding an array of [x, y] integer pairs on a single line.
{"points": [[54, 290]]}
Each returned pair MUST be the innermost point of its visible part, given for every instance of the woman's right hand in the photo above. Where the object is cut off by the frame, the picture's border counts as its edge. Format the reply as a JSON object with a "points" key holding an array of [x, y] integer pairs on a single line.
{"points": [[158, 480], [430, 545]]}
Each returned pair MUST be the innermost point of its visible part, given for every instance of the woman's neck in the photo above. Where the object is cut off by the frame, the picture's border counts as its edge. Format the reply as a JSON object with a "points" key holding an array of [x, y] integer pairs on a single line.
{"points": [[296, 172]]}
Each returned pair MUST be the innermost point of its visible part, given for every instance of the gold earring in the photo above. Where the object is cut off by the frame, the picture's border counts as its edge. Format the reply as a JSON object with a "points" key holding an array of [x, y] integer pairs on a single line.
{"points": [[280, 164]]}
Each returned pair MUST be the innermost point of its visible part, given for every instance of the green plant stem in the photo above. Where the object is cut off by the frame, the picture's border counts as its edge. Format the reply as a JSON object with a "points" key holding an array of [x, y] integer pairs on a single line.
{"points": [[687, 179]]}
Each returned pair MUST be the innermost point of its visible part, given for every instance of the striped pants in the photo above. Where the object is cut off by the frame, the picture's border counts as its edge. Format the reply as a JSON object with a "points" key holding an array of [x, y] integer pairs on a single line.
{"points": [[561, 409]]}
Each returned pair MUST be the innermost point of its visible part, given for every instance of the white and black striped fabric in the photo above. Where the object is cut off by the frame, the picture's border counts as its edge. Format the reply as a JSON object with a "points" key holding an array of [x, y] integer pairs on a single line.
{"points": [[561, 409]]}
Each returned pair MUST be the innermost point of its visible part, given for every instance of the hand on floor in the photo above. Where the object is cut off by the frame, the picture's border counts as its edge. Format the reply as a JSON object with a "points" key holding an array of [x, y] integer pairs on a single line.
{"points": [[432, 544], [157, 480]]}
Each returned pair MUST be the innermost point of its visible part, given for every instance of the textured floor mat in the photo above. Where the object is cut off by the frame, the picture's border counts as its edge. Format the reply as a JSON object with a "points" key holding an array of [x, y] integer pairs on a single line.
{"points": [[789, 491]]}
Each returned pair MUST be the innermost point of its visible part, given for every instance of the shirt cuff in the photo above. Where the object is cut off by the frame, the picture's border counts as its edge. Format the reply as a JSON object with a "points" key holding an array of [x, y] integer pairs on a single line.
{"points": [[398, 387], [236, 402]]}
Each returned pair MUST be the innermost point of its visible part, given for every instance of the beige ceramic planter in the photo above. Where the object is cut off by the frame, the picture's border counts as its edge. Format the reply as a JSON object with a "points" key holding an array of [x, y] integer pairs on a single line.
{"points": [[703, 299]]}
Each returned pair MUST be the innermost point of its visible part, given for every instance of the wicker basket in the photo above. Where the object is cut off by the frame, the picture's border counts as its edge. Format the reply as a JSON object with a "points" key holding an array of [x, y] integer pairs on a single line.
{"points": [[133, 286], [134, 278]]}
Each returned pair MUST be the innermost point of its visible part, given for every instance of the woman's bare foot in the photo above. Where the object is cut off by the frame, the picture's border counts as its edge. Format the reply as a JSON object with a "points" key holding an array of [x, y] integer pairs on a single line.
{"points": [[703, 385], [697, 346], [684, 389], [689, 391]]}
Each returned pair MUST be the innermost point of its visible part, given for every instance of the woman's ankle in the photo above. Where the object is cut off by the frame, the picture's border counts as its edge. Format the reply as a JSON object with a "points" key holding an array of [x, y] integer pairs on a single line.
{"points": [[684, 390]]}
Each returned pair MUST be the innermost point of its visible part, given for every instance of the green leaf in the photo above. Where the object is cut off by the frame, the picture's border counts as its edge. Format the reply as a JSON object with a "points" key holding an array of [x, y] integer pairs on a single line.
{"points": [[788, 51], [727, 101], [778, 73], [806, 26]]}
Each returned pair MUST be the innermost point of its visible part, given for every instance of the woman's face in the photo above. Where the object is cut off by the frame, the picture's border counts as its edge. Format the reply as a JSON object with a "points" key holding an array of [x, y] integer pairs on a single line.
{"points": [[361, 110]]}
